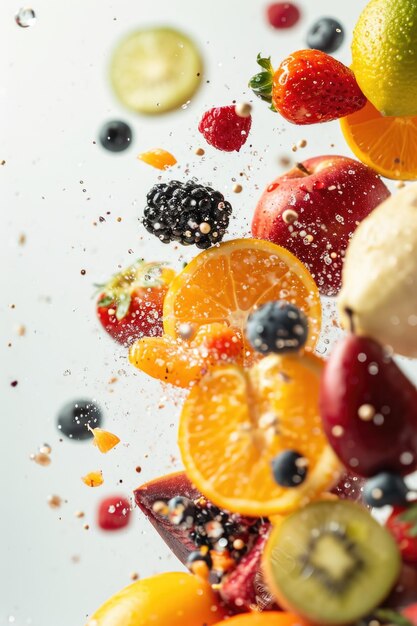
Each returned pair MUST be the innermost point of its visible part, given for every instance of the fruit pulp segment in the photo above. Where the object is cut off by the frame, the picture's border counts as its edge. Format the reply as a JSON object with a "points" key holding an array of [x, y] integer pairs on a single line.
{"points": [[226, 283], [236, 421]]}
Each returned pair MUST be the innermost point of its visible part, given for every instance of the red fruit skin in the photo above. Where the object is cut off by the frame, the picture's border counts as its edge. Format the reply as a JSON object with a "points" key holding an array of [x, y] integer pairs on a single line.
{"points": [[283, 14], [223, 129], [245, 588], [400, 530], [349, 487], [404, 593], [143, 319], [165, 488], [410, 612], [330, 202], [360, 372], [311, 87], [117, 519]]}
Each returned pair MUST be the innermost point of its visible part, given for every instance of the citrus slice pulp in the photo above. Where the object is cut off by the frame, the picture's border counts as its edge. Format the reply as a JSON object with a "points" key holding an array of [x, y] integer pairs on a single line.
{"points": [[387, 144], [236, 421], [225, 283]]}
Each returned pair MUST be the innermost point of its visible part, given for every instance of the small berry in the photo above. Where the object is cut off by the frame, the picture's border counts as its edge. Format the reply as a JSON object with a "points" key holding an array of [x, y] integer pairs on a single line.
{"points": [[277, 327], [402, 524], [196, 559], [75, 418], [283, 14], [113, 513], [186, 212], [181, 510], [289, 469], [116, 136], [326, 35], [224, 129], [385, 489]]}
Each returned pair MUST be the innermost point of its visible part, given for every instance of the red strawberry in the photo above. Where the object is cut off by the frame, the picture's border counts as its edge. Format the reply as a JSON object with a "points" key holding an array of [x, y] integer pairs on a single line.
{"points": [[224, 129], [410, 612], [309, 87], [113, 513], [130, 305], [402, 523]]}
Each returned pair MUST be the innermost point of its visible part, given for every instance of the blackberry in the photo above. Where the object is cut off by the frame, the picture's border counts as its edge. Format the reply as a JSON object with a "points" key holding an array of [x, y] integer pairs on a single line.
{"points": [[186, 212]]}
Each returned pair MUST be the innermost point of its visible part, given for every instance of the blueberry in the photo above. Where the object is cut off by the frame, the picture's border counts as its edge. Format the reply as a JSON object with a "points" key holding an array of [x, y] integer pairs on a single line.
{"points": [[385, 489], [326, 35], [289, 469], [75, 416], [277, 327], [115, 136]]}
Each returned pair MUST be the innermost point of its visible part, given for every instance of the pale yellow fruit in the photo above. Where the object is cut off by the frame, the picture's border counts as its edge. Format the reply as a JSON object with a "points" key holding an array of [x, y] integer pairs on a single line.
{"points": [[173, 599], [384, 54], [379, 287]]}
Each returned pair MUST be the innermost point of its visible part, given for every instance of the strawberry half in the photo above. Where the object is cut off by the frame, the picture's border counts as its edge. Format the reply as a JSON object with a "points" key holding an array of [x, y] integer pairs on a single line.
{"points": [[130, 304], [309, 87]]}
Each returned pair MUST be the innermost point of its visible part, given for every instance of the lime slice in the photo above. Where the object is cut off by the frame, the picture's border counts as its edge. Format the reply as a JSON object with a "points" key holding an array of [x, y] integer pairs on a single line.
{"points": [[155, 70]]}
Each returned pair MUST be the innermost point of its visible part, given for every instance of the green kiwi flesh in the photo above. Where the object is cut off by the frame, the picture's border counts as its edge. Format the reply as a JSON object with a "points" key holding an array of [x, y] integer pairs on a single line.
{"points": [[332, 562]]}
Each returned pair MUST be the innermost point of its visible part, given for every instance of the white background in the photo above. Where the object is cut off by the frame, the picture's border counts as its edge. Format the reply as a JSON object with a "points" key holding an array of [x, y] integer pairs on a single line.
{"points": [[54, 96]]}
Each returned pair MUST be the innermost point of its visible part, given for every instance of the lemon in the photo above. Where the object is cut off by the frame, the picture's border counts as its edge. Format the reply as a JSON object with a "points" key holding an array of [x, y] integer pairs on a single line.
{"points": [[384, 52]]}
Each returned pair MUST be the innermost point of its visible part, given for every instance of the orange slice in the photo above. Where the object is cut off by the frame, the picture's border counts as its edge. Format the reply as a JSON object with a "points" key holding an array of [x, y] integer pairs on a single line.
{"points": [[235, 421], [387, 144], [225, 283]]}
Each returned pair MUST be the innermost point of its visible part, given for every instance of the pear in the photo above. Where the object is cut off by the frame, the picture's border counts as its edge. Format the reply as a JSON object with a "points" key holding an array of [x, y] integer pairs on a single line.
{"points": [[379, 283]]}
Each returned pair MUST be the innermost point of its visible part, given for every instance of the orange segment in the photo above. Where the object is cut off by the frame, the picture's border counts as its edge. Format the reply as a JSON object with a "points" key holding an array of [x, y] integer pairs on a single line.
{"points": [[104, 440], [269, 618], [225, 283], [235, 421], [93, 479], [161, 159], [387, 144], [182, 363]]}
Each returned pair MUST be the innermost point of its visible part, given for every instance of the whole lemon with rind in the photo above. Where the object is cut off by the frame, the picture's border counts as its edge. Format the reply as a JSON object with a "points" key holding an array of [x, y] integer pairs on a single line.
{"points": [[384, 53]]}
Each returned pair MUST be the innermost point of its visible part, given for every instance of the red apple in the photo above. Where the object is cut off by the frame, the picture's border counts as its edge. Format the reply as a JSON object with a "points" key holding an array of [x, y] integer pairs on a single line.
{"points": [[313, 211], [369, 409]]}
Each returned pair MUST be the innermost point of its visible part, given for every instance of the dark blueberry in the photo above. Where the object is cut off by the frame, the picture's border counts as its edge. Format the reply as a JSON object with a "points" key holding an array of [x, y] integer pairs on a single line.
{"points": [[385, 489], [181, 510], [198, 556], [116, 136], [326, 35], [75, 417], [277, 327], [289, 469]]}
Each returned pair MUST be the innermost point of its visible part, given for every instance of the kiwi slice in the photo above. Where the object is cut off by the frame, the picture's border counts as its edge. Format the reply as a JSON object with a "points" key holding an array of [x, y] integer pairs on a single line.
{"points": [[155, 70], [331, 562]]}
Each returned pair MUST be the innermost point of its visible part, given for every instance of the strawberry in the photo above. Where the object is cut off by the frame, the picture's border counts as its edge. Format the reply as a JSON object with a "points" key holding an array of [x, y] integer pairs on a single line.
{"points": [[309, 87], [130, 304], [402, 523]]}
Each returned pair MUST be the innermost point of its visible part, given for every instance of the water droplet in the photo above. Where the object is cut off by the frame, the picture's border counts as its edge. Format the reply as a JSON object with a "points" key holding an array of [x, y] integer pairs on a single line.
{"points": [[25, 17]]}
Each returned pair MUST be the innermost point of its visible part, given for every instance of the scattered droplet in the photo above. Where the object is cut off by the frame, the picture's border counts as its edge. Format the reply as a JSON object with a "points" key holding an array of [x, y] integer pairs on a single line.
{"points": [[25, 17]]}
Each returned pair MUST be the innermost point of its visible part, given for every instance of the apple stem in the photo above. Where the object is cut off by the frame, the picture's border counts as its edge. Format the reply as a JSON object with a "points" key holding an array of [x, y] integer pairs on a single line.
{"points": [[303, 169], [350, 313]]}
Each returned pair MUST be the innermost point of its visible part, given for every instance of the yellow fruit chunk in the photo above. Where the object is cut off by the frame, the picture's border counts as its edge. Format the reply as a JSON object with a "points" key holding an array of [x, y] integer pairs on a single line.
{"points": [[173, 599], [104, 440], [387, 144], [269, 618], [225, 283], [161, 159], [236, 421], [93, 479]]}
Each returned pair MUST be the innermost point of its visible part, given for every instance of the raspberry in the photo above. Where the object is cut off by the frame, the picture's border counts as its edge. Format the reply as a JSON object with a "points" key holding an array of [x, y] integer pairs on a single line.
{"points": [[224, 129], [283, 14]]}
